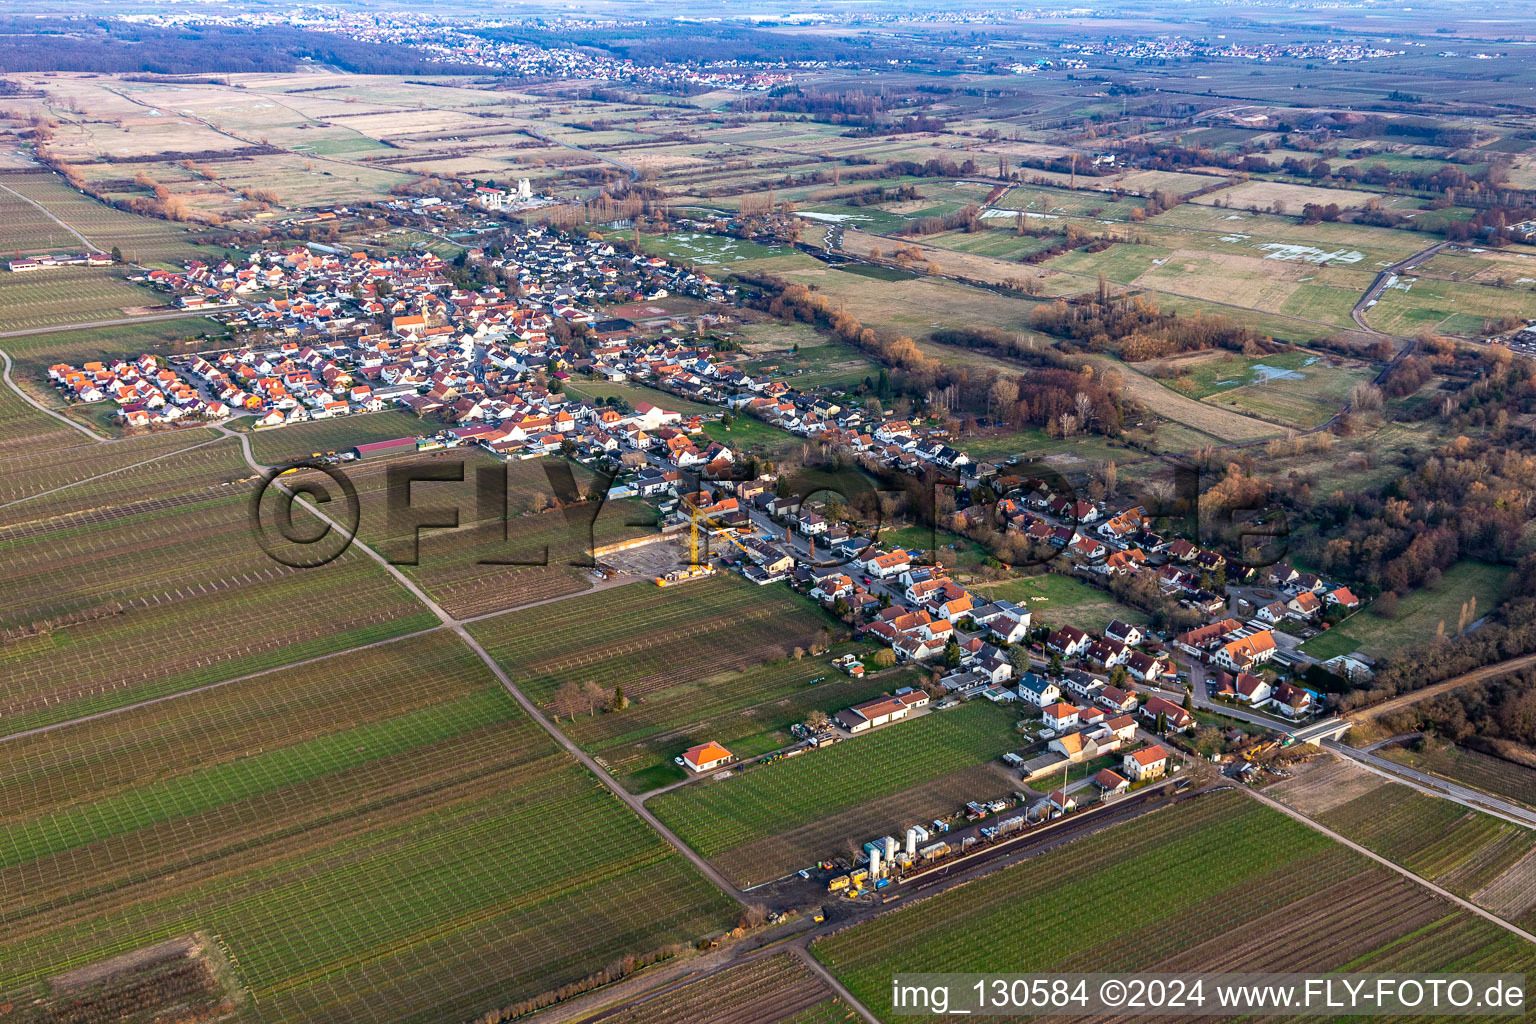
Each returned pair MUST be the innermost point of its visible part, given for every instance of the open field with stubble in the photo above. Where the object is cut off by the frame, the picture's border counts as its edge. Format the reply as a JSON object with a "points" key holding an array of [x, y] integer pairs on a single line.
{"points": [[403, 782]]}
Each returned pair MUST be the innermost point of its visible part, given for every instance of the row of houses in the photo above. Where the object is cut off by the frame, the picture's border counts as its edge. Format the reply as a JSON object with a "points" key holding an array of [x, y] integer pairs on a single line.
{"points": [[147, 393]]}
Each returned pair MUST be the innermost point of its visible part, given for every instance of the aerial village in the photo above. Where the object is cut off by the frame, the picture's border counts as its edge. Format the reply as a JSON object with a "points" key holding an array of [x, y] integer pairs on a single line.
{"points": [[329, 334]]}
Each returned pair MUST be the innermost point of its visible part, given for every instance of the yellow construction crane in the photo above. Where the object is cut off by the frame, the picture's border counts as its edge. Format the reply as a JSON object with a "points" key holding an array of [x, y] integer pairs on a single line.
{"points": [[696, 570]]}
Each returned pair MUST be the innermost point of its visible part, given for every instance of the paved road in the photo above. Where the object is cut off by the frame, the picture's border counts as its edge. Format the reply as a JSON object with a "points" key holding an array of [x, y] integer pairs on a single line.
{"points": [[1433, 785], [1379, 285], [1431, 886], [92, 246], [1198, 675], [1402, 737], [665, 979]]}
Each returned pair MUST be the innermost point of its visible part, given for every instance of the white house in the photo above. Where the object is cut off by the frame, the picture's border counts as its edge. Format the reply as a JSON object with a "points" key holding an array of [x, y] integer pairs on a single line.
{"points": [[1038, 690], [704, 757], [1147, 763]]}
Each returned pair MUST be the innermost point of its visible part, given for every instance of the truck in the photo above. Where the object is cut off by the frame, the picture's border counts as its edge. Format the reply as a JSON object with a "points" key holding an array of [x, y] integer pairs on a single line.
{"points": [[882, 883]]}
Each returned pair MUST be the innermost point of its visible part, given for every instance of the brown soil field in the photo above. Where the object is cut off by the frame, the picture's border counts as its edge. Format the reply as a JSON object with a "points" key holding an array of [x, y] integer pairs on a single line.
{"points": [[1324, 783]]}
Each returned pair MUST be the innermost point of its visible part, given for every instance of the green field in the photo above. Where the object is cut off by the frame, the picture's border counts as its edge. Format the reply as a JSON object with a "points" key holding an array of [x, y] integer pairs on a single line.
{"points": [[274, 446], [998, 241], [150, 581], [1425, 303], [1059, 600], [145, 239], [704, 250], [358, 835], [644, 637], [723, 819], [1434, 838], [1420, 614], [1220, 857], [636, 393], [748, 710], [1033, 443], [753, 436], [803, 356], [1295, 387], [1060, 202]]}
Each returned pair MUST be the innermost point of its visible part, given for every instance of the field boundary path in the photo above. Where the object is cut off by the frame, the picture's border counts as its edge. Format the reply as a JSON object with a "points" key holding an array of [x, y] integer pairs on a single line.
{"points": [[110, 472], [663, 979], [92, 246], [1290, 812], [40, 407]]}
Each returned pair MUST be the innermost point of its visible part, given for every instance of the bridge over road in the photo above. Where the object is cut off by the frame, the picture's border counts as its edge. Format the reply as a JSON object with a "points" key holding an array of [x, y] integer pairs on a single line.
{"points": [[1325, 729]]}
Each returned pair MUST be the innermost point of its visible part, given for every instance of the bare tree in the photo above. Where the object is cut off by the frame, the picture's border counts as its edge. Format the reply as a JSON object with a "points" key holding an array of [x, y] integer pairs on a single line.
{"points": [[1084, 408], [1365, 397], [567, 700], [594, 695], [1002, 396]]}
